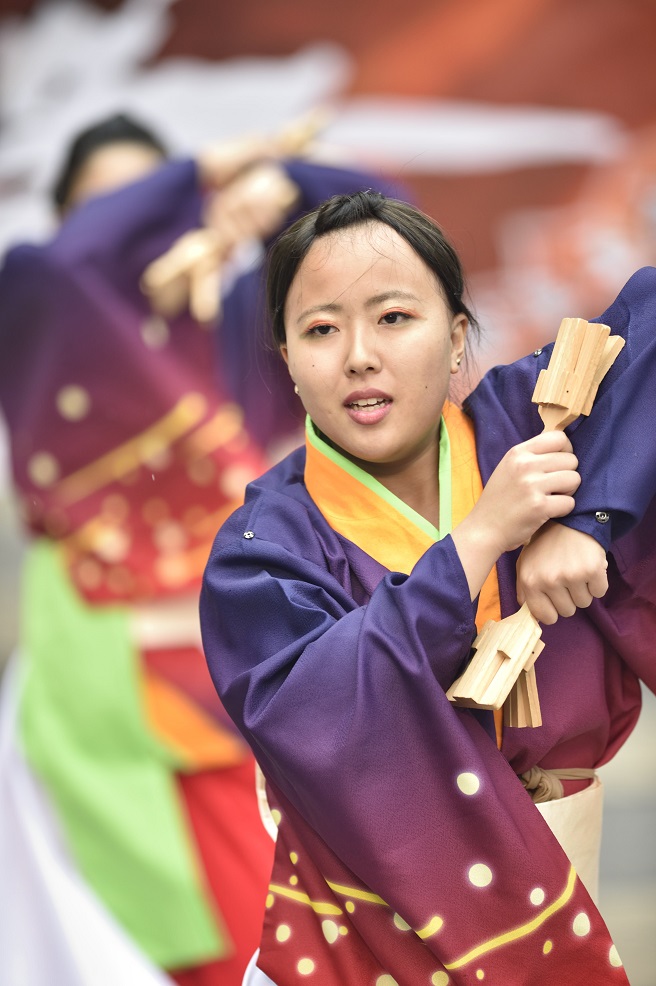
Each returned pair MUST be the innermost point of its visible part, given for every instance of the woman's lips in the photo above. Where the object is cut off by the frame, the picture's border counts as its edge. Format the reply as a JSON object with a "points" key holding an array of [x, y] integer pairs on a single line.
{"points": [[368, 407]]}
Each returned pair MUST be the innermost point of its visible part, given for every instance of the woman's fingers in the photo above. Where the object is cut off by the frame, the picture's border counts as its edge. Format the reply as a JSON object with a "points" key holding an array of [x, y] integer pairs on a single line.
{"points": [[560, 570], [558, 505], [540, 606], [580, 595], [598, 582]]}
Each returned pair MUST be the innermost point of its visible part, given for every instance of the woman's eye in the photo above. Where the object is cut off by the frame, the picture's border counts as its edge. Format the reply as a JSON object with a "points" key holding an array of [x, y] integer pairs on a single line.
{"points": [[321, 330], [394, 318]]}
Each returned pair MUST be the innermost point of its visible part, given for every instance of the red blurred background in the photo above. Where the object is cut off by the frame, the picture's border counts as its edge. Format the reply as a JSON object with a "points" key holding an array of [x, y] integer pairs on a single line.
{"points": [[542, 236]]}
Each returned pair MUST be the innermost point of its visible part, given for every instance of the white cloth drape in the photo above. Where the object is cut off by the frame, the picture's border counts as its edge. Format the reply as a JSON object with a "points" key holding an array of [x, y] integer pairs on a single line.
{"points": [[53, 929], [254, 976]]}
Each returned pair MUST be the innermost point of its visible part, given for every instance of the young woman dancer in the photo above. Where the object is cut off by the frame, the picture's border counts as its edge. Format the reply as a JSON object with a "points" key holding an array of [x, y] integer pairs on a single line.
{"points": [[340, 603]]}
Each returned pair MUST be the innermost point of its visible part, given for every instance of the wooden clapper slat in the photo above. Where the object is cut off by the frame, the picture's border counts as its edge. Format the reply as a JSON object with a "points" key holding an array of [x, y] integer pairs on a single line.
{"points": [[501, 672]]}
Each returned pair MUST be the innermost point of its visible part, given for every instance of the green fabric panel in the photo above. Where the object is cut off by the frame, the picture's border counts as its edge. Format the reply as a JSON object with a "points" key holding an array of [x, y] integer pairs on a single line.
{"points": [[84, 733]]}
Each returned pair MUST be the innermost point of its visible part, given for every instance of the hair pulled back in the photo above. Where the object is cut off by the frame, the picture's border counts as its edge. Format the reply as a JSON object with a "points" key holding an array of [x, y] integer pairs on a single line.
{"points": [[345, 211]]}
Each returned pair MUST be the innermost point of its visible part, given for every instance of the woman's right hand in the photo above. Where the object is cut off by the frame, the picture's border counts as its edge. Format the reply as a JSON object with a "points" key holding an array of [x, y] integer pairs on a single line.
{"points": [[534, 482]]}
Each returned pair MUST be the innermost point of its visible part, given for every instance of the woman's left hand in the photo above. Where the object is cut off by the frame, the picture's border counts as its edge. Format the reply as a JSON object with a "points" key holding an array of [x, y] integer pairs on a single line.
{"points": [[559, 571]]}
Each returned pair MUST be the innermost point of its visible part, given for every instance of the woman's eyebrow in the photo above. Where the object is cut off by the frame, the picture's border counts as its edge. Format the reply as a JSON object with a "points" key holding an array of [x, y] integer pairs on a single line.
{"points": [[329, 306], [377, 299]]}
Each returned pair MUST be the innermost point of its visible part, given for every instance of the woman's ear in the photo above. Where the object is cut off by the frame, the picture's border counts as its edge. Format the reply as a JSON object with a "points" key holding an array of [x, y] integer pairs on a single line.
{"points": [[459, 326], [285, 355]]}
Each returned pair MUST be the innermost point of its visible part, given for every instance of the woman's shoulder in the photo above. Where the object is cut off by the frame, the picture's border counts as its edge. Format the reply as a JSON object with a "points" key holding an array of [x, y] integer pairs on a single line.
{"points": [[635, 303], [501, 403], [22, 258], [25, 293], [283, 483], [277, 509]]}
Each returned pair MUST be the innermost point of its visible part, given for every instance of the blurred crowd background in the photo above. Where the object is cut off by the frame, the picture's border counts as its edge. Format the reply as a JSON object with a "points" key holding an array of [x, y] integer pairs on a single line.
{"points": [[527, 129]]}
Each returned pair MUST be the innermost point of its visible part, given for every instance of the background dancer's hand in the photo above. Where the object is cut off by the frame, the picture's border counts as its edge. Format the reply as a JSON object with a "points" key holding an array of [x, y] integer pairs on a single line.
{"points": [[253, 206], [221, 162]]}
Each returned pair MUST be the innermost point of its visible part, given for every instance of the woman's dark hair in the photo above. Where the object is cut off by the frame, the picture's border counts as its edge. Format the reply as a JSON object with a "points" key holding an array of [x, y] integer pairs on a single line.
{"points": [[343, 211], [114, 130]]}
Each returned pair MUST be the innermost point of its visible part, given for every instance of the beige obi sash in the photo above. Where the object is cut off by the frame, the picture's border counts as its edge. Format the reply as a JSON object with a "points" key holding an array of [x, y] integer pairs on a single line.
{"points": [[576, 823]]}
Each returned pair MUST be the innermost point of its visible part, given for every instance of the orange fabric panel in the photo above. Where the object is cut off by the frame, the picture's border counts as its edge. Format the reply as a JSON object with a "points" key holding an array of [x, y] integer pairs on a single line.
{"points": [[362, 516], [199, 740], [466, 487]]}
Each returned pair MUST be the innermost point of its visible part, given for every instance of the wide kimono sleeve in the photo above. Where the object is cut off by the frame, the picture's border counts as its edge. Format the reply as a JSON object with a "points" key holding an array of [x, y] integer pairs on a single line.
{"points": [[615, 444], [97, 255], [318, 182], [128, 227], [339, 687], [71, 311]]}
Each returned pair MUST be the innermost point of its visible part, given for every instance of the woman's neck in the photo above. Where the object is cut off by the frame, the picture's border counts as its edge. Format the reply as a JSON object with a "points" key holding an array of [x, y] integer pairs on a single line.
{"points": [[424, 498], [415, 482]]}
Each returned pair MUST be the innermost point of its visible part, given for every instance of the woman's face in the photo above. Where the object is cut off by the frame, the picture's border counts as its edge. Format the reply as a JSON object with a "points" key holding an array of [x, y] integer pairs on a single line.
{"points": [[370, 345], [112, 166]]}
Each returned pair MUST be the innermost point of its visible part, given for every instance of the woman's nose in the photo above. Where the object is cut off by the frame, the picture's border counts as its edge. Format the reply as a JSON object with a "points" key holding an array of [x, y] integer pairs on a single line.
{"points": [[363, 356]]}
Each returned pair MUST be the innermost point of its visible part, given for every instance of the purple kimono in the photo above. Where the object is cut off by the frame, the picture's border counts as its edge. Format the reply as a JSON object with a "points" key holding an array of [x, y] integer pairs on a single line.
{"points": [[392, 864]]}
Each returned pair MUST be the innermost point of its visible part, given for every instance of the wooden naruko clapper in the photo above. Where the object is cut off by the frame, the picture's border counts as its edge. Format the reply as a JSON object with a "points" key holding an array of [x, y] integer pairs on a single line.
{"points": [[501, 673]]}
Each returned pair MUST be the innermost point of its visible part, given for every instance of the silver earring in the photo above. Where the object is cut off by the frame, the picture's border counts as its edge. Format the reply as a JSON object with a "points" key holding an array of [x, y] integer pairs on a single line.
{"points": [[458, 361], [296, 389]]}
